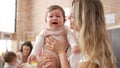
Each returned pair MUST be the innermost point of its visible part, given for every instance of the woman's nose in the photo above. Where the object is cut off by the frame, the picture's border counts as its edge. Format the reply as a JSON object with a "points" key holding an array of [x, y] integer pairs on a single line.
{"points": [[69, 17]]}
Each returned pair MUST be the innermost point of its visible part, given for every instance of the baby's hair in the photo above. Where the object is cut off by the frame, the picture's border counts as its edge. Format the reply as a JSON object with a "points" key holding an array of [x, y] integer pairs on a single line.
{"points": [[54, 7], [9, 56]]}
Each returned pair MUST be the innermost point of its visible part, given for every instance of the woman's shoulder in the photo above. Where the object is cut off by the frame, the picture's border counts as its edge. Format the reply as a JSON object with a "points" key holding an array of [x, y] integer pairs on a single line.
{"points": [[19, 53]]}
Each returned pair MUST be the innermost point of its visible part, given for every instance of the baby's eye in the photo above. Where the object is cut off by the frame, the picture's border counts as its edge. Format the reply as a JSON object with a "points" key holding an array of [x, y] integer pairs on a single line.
{"points": [[57, 16], [50, 16]]}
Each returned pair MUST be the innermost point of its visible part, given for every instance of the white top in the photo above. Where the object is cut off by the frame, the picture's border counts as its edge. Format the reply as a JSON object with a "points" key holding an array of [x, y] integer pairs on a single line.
{"points": [[73, 58], [10, 66], [57, 34], [86, 59], [19, 54]]}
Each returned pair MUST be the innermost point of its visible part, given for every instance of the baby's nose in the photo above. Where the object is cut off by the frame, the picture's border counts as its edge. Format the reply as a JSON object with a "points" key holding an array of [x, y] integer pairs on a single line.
{"points": [[54, 17]]}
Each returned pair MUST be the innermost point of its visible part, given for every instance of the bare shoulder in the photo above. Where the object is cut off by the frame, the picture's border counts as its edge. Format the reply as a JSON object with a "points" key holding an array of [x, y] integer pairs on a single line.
{"points": [[86, 65], [19, 54]]}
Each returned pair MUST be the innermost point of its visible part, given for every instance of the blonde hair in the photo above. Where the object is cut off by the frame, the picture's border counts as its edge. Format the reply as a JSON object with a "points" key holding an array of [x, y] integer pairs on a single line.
{"points": [[93, 37]]}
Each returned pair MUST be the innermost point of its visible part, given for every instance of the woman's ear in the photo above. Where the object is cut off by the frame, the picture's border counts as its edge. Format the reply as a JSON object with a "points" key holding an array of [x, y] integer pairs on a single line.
{"points": [[65, 19]]}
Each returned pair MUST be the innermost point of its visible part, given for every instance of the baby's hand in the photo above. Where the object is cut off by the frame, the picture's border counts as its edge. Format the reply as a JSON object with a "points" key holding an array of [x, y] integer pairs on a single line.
{"points": [[32, 58], [76, 49]]}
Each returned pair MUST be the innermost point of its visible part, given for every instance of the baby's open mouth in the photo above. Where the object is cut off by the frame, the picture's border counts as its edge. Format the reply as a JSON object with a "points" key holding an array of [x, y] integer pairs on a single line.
{"points": [[55, 23]]}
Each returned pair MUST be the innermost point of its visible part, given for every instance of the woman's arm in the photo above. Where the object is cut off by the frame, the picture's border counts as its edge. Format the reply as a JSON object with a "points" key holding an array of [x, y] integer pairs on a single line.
{"points": [[19, 56], [64, 60]]}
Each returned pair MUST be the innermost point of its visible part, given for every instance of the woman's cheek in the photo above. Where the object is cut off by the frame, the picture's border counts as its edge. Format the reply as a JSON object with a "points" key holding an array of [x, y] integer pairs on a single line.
{"points": [[26, 52], [72, 25]]}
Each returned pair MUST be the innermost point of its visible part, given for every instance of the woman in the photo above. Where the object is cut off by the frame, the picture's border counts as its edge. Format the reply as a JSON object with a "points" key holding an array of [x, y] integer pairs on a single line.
{"points": [[25, 51], [96, 51]]}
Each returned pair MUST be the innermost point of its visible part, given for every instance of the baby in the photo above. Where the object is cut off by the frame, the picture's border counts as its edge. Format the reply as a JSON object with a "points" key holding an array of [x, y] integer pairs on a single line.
{"points": [[55, 19], [11, 61]]}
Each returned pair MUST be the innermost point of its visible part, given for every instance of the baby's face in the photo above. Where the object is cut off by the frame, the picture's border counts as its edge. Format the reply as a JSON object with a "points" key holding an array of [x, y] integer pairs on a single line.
{"points": [[55, 19]]}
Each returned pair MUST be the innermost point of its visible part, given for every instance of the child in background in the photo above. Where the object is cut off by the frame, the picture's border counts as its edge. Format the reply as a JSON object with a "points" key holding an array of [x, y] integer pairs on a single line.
{"points": [[11, 61], [55, 19]]}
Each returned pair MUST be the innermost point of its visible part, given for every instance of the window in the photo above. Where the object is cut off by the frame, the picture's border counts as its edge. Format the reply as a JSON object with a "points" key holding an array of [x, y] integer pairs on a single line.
{"points": [[5, 45], [7, 15], [67, 14]]}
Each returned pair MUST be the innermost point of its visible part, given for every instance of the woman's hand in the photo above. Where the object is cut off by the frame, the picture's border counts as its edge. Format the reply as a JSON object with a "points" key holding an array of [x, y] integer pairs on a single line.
{"points": [[60, 48], [55, 45], [47, 61]]}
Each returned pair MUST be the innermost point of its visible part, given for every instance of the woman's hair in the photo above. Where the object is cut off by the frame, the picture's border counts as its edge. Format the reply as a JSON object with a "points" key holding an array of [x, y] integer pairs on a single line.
{"points": [[9, 56], [27, 43], [93, 37], [54, 7]]}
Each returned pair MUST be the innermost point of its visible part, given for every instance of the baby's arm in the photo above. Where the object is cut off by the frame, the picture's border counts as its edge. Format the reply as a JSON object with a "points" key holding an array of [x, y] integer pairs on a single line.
{"points": [[72, 40], [38, 45], [39, 42]]}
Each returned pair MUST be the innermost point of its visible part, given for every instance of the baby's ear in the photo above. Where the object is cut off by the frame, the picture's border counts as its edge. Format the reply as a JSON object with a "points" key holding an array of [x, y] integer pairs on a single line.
{"points": [[65, 20]]}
